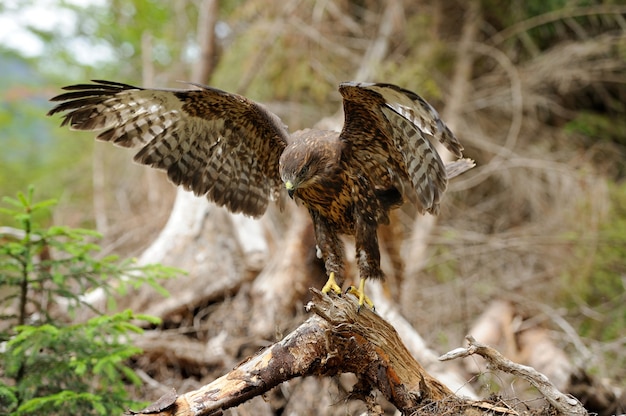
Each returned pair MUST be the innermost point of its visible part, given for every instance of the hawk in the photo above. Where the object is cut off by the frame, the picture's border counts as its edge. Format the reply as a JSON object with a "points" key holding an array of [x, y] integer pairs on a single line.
{"points": [[241, 156]]}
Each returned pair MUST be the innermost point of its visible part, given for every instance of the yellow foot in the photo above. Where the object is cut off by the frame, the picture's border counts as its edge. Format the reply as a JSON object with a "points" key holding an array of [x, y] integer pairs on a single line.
{"points": [[331, 284], [360, 293]]}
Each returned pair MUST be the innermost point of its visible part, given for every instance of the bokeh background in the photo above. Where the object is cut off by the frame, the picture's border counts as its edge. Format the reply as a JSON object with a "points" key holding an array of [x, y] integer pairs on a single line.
{"points": [[535, 90]]}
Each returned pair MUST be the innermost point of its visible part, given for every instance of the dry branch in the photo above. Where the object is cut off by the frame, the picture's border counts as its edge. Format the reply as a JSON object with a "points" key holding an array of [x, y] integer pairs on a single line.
{"points": [[337, 339], [564, 404], [340, 339]]}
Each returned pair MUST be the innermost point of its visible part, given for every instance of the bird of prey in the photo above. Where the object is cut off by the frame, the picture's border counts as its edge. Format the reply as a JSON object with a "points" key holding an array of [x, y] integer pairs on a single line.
{"points": [[241, 156]]}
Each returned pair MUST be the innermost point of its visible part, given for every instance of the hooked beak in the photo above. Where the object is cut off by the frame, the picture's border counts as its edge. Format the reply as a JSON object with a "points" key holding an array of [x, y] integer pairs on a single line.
{"points": [[290, 188]]}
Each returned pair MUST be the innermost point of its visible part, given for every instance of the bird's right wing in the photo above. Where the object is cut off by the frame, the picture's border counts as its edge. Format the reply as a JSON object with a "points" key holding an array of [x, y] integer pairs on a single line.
{"points": [[211, 142]]}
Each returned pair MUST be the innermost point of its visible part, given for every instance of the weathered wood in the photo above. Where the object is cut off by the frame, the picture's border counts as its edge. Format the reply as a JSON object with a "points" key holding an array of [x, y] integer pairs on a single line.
{"points": [[380, 357], [523, 338], [564, 404], [289, 273], [337, 339]]}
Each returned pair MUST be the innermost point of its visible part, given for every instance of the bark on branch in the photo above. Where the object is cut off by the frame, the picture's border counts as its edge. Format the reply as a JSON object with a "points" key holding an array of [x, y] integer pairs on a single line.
{"points": [[339, 338]]}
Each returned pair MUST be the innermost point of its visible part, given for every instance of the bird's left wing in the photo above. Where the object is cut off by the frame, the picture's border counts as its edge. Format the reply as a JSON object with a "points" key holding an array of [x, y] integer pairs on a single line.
{"points": [[390, 132], [211, 142]]}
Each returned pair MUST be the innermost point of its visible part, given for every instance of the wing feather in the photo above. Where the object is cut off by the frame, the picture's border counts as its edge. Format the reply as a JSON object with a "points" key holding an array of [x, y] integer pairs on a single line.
{"points": [[209, 141], [390, 132]]}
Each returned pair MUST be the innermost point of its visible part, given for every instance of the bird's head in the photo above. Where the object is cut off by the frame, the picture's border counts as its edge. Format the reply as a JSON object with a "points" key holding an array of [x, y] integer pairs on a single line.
{"points": [[298, 168], [308, 160]]}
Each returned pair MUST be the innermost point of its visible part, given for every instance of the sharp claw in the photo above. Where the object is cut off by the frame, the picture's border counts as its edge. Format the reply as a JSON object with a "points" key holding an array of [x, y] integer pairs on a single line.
{"points": [[360, 293], [331, 284]]}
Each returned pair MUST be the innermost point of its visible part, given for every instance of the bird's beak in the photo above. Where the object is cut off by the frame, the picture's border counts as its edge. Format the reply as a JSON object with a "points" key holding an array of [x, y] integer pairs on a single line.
{"points": [[290, 188]]}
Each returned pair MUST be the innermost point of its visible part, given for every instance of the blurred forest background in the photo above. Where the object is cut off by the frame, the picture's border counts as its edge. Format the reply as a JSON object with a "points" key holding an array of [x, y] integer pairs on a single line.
{"points": [[535, 90]]}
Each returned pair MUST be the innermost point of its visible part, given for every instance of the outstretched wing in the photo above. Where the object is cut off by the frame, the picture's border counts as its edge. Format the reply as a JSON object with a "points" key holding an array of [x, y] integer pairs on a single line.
{"points": [[388, 132], [209, 141]]}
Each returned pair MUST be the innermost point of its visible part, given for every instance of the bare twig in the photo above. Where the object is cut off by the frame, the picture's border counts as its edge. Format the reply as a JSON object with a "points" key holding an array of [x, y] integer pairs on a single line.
{"points": [[459, 91], [378, 48], [560, 14], [565, 404]]}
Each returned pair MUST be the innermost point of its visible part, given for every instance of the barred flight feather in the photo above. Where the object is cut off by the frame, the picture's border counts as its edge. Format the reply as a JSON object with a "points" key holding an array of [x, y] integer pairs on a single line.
{"points": [[240, 155]]}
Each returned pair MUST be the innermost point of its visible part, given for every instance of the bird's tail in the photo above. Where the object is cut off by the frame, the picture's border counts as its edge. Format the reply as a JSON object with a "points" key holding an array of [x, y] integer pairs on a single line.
{"points": [[459, 166]]}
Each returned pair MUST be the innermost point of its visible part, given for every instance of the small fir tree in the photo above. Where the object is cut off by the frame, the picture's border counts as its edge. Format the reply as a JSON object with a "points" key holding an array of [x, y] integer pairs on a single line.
{"points": [[49, 366]]}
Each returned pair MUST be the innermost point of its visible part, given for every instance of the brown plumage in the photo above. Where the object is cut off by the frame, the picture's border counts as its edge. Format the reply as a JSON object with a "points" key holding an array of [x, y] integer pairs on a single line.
{"points": [[241, 156]]}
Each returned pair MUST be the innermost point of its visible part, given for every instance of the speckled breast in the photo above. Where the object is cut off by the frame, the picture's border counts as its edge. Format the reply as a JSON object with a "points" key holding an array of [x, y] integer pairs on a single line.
{"points": [[333, 203]]}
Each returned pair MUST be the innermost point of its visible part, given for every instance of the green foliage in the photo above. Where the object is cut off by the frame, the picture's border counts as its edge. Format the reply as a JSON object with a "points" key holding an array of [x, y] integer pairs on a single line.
{"points": [[47, 366], [604, 135], [31, 148], [139, 21], [599, 127]]}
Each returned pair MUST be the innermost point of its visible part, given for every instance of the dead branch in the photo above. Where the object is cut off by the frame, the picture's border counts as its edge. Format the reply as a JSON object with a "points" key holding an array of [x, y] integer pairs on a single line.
{"points": [[341, 339], [286, 266], [178, 348], [337, 339], [564, 404], [559, 14], [523, 339], [459, 91]]}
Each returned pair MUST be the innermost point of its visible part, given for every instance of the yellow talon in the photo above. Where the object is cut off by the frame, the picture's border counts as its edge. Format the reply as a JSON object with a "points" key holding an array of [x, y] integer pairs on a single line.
{"points": [[331, 284], [360, 293]]}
